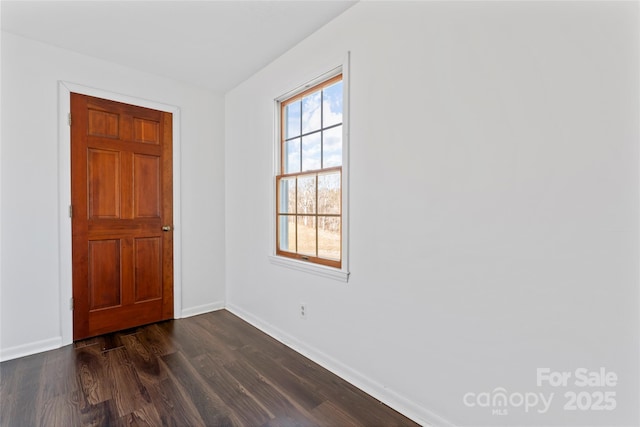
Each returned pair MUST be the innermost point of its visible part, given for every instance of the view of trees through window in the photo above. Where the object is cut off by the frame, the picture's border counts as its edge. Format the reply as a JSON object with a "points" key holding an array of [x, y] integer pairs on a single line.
{"points": [[309, 184]]}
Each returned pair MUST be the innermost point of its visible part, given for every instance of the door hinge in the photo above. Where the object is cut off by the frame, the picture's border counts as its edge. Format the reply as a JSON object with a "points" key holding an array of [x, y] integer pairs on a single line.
{"points": [[69, 119], [71, 304], [70, 211]]}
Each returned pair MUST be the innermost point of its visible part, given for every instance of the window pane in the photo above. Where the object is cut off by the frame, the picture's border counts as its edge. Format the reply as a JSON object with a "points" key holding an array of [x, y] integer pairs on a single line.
{"points": [[307, 194], [292, 120], [311, 152], [329, 237], [287, 229], [291, 156], [307, 235], [287, 195], [332, 147], [329, 194], [332, 105], [311, 112]]}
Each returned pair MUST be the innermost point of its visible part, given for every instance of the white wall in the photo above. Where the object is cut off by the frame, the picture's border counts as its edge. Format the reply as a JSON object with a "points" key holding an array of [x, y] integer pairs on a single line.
{"points": [[494, 205], [30, 234]]}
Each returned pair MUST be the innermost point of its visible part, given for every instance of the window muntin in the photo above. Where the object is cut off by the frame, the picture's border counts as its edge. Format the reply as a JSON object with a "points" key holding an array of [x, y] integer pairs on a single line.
{"points": [[309, 183]]}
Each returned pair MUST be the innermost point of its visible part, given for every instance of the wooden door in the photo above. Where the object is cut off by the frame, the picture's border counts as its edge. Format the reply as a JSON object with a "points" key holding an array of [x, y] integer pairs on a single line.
{"points": [[122, 219]]}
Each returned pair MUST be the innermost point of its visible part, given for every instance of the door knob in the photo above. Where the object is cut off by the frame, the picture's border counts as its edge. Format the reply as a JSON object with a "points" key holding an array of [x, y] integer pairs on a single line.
{"points": [[166, 228]]}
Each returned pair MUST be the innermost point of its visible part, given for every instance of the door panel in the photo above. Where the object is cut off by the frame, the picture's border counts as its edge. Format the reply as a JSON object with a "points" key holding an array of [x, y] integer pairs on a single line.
{"points": [[148, 262], [121, 175], [146, 186], [104, 274], [146, 131], [103, 123], [104, 184]]}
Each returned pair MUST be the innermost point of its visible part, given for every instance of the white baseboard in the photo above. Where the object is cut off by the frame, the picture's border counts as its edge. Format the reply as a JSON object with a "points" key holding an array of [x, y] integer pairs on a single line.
{"points": [[30, 348], [53, 343], [201, 309], [390, 398]]}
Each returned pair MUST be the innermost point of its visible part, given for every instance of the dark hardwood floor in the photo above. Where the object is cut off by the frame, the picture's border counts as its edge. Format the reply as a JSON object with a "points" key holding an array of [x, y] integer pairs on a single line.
{"points": [[208, 370]]}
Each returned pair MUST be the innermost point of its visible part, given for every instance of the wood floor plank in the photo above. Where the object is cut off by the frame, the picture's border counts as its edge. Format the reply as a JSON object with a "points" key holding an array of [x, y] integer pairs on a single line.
{"points": [[330, 415], [230, 325], [173, 408], [145, 416], [145, 362], [94, 382], [60, 396], [223, 335], [281, 406], [290, 385], [103, 414], [207, 370], [20, 395], [188, 337], [287, 422], [23, 373], [110, 341], [58, 411], [219, 349], [128, 391], [235, 396], [58, 374], [344, 396], [8, 407], [157, 338], [206, 401]]}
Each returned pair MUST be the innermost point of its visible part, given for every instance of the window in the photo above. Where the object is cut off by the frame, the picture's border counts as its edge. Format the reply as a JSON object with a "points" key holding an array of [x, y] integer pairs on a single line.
{"points": [[309, 181]]}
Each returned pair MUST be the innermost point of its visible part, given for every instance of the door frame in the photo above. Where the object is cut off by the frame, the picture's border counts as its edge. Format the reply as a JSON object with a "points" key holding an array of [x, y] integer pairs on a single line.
{"points": [[64, 197]]}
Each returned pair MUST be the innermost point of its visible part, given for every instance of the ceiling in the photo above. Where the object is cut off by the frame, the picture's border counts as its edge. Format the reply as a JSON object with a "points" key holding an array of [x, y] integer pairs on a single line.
{"points": [[215, 44]]}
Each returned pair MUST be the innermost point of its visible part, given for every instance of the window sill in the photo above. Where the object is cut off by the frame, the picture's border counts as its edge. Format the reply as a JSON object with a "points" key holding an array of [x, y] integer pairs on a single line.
{"points": [[316, 269]]}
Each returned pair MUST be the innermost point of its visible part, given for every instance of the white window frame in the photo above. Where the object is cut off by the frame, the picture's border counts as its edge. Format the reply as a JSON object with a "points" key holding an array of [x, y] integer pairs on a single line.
{"points": [[340, 274]]}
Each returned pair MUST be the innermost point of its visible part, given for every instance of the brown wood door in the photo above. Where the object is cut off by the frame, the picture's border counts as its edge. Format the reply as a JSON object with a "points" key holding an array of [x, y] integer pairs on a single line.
{"points": [[122, 197]]}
